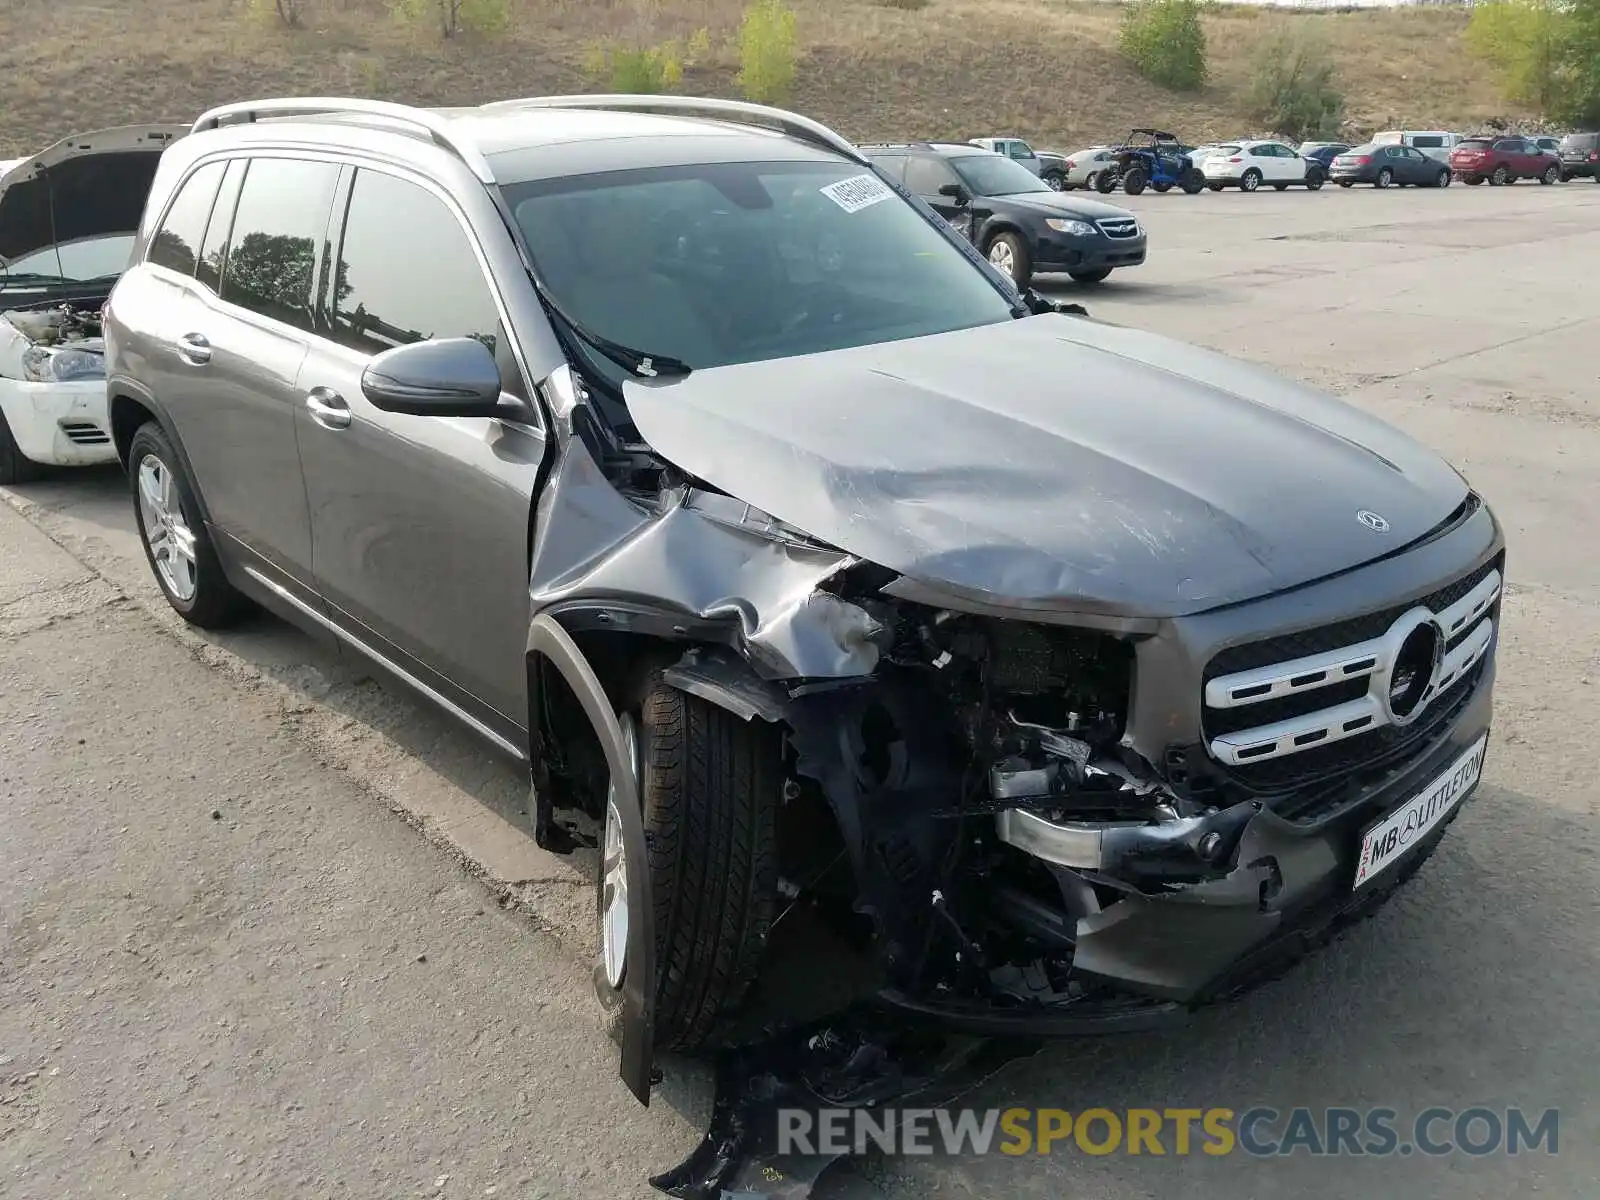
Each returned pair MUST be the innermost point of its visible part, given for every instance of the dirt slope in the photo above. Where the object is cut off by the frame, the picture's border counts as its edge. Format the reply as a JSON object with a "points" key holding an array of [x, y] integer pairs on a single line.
{"points": [[1047, 69]]}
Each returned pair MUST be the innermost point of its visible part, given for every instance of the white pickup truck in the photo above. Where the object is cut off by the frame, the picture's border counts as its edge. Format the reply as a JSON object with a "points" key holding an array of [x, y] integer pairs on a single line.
{"points": [[1046, 164]]}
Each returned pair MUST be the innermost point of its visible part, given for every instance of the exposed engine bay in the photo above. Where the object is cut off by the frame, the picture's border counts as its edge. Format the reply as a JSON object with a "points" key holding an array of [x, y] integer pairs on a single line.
{"points": [[54, 344]]}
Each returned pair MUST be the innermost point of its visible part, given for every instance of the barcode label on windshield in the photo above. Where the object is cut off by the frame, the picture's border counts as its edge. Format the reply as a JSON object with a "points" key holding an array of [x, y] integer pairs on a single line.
{"points": [[857, 192]]}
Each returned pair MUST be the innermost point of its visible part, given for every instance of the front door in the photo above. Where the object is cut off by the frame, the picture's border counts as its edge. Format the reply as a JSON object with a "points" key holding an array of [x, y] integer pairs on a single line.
{"points": [[420, 525], [925, 175]]}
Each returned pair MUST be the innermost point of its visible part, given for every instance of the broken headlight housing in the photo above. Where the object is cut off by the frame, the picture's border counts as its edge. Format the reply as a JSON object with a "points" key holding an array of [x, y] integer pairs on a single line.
{"points": [[62, 364]]}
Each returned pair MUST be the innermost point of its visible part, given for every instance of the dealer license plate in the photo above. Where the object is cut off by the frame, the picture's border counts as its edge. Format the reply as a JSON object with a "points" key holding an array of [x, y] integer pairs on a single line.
{"points": [[1387, 841]]}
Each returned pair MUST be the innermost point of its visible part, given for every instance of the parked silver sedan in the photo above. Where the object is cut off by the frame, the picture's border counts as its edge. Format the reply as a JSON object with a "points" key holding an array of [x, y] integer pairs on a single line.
{"points": [[1084, 166]]}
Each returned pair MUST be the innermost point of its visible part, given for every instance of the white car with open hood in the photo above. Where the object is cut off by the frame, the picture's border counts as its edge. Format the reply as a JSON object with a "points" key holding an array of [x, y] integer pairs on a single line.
{"points": [[68, 216]]}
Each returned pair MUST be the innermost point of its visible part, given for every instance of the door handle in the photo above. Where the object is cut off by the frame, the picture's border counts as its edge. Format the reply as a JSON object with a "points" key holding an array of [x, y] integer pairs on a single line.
{"points": [[328, 408], [194, 349]]}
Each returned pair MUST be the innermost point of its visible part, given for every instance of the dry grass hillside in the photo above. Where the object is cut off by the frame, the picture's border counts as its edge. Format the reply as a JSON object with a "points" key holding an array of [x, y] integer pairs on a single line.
{"points": [[1047, 69]]}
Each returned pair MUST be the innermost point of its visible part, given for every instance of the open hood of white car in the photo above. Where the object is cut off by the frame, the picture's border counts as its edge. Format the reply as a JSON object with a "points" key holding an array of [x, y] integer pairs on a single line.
{"points": [[88, 185]]}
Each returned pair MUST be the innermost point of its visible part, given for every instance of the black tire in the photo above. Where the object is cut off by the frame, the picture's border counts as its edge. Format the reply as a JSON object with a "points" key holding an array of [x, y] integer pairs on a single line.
{"points": [[1442, 179], [710, 786], [1163, 186], [1193, 182], [1091, 181], [1087, 278], [1314, 181], [15, 466], [1214, 187], [1551, 175], [1056, 181], [1384, 179], [1280, 187], [1501, 177], [216, 603], [1346, 182], [1250, 180], [1134, 181], [1021, 259], [1105, 182], [1474, 180], [1566, 177]]}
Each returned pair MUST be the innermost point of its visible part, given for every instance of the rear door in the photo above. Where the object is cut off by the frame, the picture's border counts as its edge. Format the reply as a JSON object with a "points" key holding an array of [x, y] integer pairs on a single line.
{"points": [[238, 340], [420, 525]]}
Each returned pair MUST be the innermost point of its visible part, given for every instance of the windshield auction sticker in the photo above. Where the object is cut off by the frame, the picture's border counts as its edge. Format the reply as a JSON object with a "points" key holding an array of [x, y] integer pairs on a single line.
{"points": [[857, 192]]}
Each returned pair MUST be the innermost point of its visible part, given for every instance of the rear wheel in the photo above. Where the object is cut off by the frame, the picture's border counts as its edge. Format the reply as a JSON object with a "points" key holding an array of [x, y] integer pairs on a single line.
{"points": [[1056, 182], [177, 544], [1314, 180], [1009, 253], [1552, 174], [1192, 181], [1133, 182], [1105, 182], [1091, 181], [15, 466], [1098, 275], [709, 784], [1250, 180], [1384, 179], [1442, 179], [1500, 178]]}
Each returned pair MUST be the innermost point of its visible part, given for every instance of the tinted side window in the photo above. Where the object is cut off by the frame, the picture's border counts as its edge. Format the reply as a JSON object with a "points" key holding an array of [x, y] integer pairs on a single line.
{"points": [[215, 248], [406, 271], [1427, 141], [177, 243], [925, 176], [278, 226]]}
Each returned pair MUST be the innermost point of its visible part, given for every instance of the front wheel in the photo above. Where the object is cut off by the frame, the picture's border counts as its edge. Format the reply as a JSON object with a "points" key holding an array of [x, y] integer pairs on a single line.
{"points": [[15, 466], [1314, 181], [1442, 180], [1009, 253], [709, 785], [1250, 180], [176, 542], [1105, 182], [1098, 275], [1193, 181], [1551, 175], [1055, 182]]}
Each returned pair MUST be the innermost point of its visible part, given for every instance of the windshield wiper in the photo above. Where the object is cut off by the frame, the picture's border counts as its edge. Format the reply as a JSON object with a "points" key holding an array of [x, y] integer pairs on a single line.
{"points": [[7, 278], [637, 362]]}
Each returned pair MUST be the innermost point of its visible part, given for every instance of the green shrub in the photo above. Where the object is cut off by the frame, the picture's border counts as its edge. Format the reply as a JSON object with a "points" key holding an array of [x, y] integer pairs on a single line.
{"points": [[1165, 41], [1529, 44], [644, 70], [1294, 92], [767, 50], [485, 17]]}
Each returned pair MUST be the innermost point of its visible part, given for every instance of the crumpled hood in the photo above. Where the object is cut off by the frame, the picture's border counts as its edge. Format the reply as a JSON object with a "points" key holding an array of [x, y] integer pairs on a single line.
{"points": [[98, 181], [1056, 462], [1061, 204]]}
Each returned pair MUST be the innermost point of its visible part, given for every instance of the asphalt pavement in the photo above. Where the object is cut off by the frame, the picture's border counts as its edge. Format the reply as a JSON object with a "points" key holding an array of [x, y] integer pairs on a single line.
{"points": [[271, 928]]}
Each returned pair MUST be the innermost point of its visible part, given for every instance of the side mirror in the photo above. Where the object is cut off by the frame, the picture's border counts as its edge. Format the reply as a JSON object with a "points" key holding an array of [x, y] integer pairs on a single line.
{"points": [[450, 377], [956, 191]]}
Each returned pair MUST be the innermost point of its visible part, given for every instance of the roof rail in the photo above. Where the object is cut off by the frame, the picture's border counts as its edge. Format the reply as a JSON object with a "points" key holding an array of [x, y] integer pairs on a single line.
{"points": [[436, 127], [790, 123]]}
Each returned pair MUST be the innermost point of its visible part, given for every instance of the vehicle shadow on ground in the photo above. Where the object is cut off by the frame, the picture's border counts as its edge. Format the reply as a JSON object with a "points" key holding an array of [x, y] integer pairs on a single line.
{"points": [[1129, 291]]}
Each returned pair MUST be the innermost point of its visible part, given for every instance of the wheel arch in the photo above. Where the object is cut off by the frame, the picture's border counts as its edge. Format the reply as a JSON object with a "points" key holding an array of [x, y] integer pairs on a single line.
{"points": [[130, 404]]}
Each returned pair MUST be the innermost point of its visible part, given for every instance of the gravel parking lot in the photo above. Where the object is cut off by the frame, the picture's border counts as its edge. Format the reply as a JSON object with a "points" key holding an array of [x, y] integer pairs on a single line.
{"points": [[228, 967]]}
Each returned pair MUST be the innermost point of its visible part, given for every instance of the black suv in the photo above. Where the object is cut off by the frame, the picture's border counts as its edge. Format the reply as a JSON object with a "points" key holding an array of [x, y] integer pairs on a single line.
{"points": [[1580, 156], [1019, 223]]}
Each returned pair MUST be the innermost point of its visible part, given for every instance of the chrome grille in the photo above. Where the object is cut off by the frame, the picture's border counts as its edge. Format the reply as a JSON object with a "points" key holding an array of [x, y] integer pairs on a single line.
{"points": [[1292, 694], [85, 433], [1119, 227]]}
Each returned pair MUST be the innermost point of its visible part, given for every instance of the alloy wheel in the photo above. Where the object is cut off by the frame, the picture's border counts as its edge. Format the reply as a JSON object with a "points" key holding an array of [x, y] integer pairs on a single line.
{"points": [[1001, 256], [166, 532], [614, 871]]}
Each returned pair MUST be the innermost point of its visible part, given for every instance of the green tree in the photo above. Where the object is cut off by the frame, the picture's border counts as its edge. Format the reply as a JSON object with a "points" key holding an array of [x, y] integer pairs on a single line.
{"points": [[1294, 91], [487, 17], [768, 47], [1166, 42], [1530, 45]]}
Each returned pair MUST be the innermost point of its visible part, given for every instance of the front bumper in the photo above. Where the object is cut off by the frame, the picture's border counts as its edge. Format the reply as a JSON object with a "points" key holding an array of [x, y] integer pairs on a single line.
{"points": [[61, 424], [1061, 252]]}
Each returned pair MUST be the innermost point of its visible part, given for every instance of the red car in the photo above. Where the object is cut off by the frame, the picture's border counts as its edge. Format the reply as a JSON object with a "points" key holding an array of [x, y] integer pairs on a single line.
{"points": [[1503, 160]]}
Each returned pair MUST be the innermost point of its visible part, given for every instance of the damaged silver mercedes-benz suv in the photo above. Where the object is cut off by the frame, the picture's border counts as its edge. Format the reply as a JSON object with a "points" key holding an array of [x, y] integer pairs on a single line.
{"points": [[688, 459]]}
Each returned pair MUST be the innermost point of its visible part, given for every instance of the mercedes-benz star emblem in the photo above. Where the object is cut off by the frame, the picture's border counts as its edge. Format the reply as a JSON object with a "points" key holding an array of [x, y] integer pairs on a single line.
{"points": [[1373, 521]]}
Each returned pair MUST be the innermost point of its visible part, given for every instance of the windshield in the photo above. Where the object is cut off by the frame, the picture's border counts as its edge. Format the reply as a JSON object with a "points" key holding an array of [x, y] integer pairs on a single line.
{"points": [[741, 262], [98, 258], [991, 175]]}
